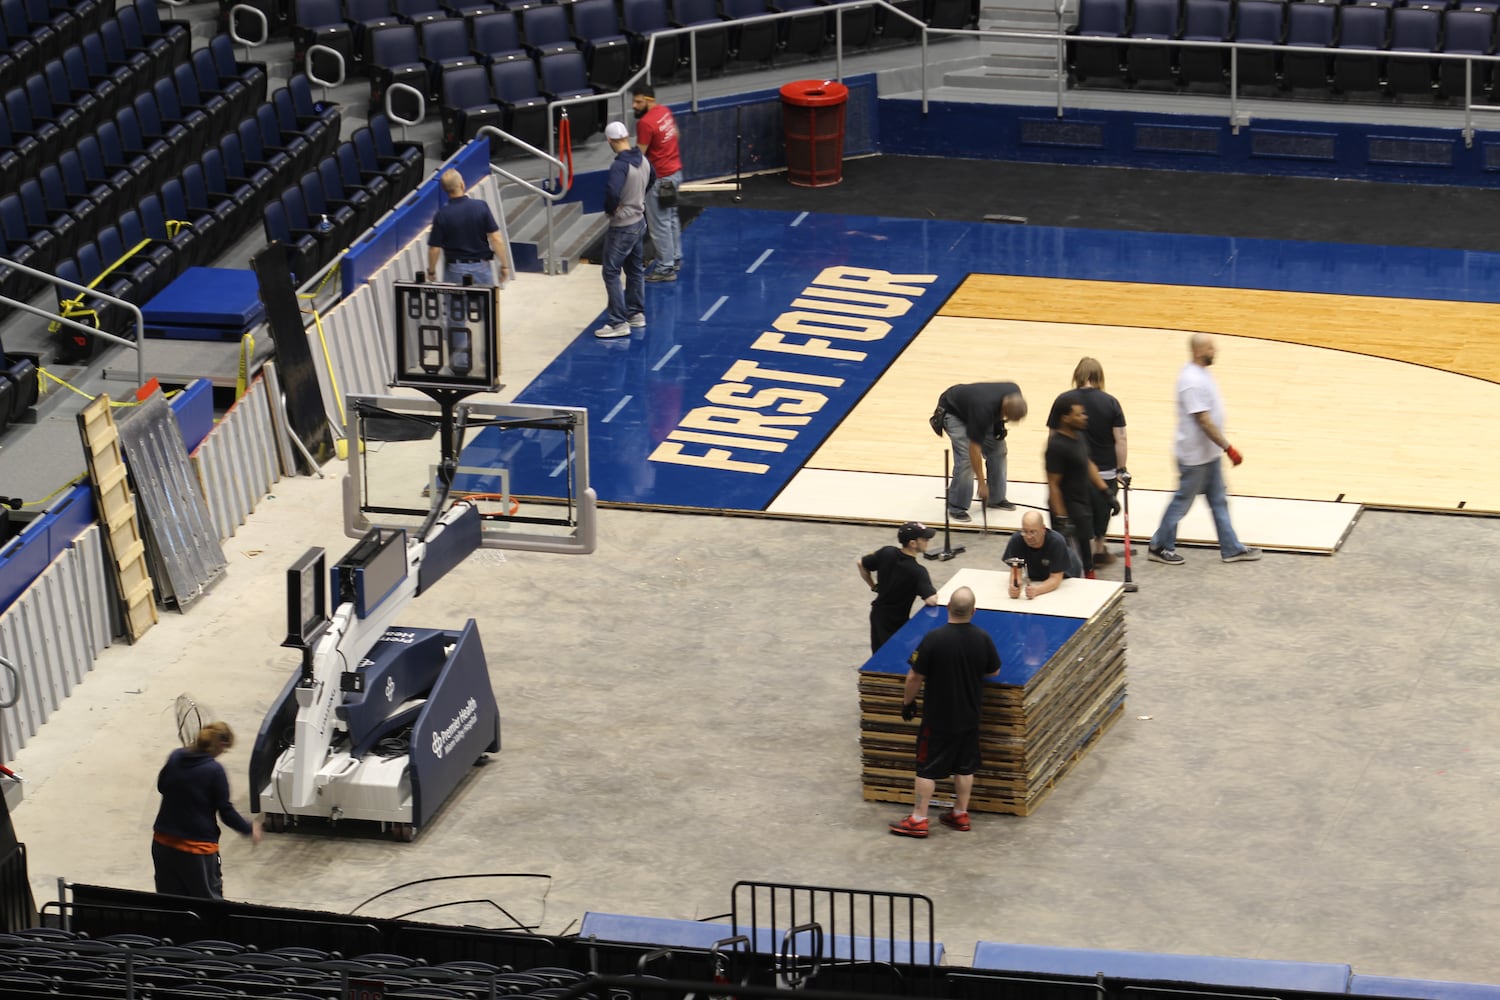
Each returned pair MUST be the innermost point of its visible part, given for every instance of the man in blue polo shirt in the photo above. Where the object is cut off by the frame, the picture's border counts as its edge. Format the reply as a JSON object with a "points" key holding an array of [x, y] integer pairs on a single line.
{"points": [[465, 233]]}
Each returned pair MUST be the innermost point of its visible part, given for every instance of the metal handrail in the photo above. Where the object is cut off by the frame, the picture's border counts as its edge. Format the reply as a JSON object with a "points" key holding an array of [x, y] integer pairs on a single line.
{"points": [[390, 109], [139, 345], [234, 34], [548, 197], [307, 67]]}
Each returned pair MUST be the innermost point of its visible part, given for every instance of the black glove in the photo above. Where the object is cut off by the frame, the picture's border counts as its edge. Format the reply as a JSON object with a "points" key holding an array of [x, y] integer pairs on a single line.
{"points": [[909, 711], [1114, 505], [1060, 523], [1122, 475]]}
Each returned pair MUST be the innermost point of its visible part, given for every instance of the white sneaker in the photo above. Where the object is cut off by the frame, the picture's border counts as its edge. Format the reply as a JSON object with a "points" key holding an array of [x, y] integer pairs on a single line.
{"points": [[607, 332], [637, 320], [1250, 554]]}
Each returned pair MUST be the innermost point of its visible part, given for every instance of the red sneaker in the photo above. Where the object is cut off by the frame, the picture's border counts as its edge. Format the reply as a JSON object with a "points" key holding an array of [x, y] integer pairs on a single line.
{"points": [[909, 827], [957, 820]]}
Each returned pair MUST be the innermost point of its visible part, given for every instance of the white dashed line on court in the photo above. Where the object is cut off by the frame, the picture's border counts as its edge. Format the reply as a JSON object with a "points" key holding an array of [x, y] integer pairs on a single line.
{"points": [[798, 220], [759, 261], [618, 407], [713, 308], [673, 352]]}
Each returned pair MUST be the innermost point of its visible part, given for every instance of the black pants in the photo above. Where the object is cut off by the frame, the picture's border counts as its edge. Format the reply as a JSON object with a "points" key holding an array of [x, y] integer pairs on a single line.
{"points": [[885, 621], [1102, 502], [1082, 521], [179, 873]]}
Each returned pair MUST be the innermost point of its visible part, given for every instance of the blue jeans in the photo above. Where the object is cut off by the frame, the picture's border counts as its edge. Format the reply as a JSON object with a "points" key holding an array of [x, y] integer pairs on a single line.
{"points": [[961, 486], [623, 249], [666, 229], [1207, 479], [482, 270]]}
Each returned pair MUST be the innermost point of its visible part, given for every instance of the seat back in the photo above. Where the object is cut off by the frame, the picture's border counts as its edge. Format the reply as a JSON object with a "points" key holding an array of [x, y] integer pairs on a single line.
{"points": [[317, 13], [695, 11], [332, 180], [594, 20], [642, 17], [545, 25], [1260, 21], [465, 87], [1415, 29], [1364, 27], [313, 196], [513, 82], [1311, 24], [153, 217], [1155, 19], [174, 203], [1206, 20], [1468, 32], [34, 204], [445, 40], [564, 74], [54, 192], [274, 218], [1102, 18], [296, 210], [13, 220], [75, 181], [495, 35], [147, 114], [395, 45]]}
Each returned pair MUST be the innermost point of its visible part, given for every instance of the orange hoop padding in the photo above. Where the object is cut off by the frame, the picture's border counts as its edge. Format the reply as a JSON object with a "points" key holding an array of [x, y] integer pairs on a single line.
{"points": [[515, 505]]}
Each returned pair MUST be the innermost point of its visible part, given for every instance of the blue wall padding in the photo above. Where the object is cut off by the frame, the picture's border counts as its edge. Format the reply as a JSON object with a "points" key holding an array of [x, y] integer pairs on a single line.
{"points": [[1243, 973]]}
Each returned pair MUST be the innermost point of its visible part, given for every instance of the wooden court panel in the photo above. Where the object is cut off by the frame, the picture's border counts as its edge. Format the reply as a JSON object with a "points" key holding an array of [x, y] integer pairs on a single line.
{"points": [[1314, 422]]}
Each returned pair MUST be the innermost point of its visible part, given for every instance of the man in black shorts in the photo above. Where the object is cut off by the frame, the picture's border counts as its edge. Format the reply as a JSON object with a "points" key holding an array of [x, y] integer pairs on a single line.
{"points": [[949, 669], [1071, 481], [1046, 553], [897, 579]]}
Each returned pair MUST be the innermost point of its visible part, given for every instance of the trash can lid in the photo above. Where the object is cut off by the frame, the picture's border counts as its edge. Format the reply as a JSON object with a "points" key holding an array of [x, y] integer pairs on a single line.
{"points": [[814, 93]]}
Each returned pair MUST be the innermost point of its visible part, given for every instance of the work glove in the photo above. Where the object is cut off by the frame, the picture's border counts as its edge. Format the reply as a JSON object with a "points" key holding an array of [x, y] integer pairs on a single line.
{"points": [[909, 711], [1122, 475], [1235, 458]]}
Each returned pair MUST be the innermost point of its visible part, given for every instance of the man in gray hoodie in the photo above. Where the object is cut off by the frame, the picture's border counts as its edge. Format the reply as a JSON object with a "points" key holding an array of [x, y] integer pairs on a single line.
{"points": [[625, 204]]}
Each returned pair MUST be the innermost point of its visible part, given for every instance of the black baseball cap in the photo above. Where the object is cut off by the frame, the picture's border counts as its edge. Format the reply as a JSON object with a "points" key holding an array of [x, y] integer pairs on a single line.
{"points": [[912, 530]]}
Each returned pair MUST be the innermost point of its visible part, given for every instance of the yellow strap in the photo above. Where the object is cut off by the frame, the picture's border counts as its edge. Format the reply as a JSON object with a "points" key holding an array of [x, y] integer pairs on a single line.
{"points": [[72, 308], [42, 373], [175, 226], [338, 397], [57, 492], [242, 380]]}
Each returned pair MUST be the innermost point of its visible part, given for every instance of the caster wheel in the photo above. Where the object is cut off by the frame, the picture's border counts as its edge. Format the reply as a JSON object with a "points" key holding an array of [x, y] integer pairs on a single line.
{"points": [[404, 832], [276, 822]]}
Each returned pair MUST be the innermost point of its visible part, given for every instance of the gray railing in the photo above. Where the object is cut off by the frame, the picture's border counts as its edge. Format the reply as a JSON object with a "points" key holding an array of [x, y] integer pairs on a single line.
{"points": [[138, 345], [548, 197]]}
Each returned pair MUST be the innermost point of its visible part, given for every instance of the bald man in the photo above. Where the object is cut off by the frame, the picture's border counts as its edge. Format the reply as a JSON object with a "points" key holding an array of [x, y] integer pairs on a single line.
{"points": [[465, 234], [1200, 443], [948, 669], [1047, 554]]}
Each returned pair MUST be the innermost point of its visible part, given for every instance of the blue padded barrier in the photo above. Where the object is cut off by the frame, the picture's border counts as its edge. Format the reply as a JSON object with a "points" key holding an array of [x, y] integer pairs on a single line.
{"points": [[1242, 973], [1425, 989], [31, 552], [194, 409], [410, 218], [668, 933]]}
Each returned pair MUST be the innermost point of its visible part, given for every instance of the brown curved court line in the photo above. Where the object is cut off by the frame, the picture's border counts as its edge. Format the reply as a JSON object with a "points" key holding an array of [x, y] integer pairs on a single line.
{"points": [[1458, 337]]}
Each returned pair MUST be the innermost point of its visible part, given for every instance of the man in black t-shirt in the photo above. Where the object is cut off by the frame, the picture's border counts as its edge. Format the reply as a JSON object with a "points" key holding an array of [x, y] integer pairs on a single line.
{"points": [[897, 579], [948, 669], [1106, 437], [1048, 558], [1071, 480]]}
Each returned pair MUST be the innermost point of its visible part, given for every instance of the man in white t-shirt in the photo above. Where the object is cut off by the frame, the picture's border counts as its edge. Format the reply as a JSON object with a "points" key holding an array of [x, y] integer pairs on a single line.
{"points": [[1200, 442]]}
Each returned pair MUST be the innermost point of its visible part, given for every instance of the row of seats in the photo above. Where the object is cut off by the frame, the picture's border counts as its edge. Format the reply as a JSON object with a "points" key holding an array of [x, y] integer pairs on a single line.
{"points": [[1368, 48], [32, 31], [343, 195], [185, 213], [71, 966], [612, 35], [18, 393], [513, 97], [67, 174]]}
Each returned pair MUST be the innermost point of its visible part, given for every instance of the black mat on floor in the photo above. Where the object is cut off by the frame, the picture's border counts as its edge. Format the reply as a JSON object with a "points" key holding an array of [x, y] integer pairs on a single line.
{"points": [[1158, 201]]}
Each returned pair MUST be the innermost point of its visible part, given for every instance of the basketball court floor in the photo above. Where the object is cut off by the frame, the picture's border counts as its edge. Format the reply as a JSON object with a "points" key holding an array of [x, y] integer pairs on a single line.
{"points": [[791, 369]]}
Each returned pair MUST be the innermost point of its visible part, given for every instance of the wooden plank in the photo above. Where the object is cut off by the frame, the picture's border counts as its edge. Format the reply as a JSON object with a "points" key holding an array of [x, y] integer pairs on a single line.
{"points": [[127, 552]]}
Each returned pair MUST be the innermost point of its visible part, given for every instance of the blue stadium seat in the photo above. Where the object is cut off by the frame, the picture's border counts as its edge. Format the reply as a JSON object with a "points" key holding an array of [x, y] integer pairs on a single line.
{"points": [[396, 57], [59, 201], [1310, 32], [712, 44], [565, 75], [495, 37], [1362, 29], [191, 99], [357, 200], [1204, 21], [418, 11], [1105, 21], [407, 155], [202, 222], [643, 19], [544, 30], [1260, 22], [596, 30], [513, 86], [341, 217], [1152, 64], [84, 103], [1466, 32], [363, 17], [805, 34], [467, 106], [445, 46], [80, 188], [104, 89], [373, 182], [320, 22]]}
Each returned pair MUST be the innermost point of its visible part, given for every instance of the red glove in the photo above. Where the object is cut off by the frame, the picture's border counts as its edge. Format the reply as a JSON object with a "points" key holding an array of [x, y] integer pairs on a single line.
{"points": [[1235, 458]]}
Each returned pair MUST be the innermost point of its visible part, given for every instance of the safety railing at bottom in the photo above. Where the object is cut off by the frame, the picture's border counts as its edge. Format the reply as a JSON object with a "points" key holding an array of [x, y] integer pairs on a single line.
{"points": [[565, 180]]}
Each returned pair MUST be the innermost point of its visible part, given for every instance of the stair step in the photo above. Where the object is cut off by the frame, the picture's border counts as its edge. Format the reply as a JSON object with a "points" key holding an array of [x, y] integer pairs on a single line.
{"points": [[976, 81], [1026, 65]]}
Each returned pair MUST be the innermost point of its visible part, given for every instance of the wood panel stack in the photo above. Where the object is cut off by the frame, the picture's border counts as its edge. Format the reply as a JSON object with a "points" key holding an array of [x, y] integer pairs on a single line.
{"points": [[116, 506], [1061, 686]]}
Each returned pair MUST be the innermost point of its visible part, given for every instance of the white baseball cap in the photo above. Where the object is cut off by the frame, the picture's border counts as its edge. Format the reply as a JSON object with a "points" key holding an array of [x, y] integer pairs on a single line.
{"points": [[616, 130]]}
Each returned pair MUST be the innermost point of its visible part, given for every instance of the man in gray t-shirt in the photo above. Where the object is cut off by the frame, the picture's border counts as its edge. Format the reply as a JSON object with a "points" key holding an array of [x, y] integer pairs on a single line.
{"points": [[625, 204]]}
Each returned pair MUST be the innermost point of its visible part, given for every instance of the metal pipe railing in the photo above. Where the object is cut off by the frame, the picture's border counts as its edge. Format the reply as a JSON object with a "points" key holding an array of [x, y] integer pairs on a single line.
{"points": [[548, 197], [140, 321]]}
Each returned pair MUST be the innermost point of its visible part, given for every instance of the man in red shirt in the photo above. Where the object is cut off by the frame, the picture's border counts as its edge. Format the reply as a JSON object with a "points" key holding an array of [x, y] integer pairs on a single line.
{"points": [[656, 134]]}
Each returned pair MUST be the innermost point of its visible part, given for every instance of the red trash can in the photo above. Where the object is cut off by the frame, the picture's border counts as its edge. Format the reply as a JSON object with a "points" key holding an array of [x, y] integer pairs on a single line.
{"points": [[812, 117]]}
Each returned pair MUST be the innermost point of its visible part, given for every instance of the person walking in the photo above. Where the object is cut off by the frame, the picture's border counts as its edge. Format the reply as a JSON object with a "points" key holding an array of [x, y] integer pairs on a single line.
{"points": [[656, 134], [464, 233], [625, 204], [185, 838], [1200, 442], [1073, 483], [898, 579], [974, 417], [1105, 435], [948, 669]]}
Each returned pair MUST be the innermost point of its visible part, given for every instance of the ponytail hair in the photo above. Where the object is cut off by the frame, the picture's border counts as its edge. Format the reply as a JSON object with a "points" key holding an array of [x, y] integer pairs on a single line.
{"points": [[214, 738]]}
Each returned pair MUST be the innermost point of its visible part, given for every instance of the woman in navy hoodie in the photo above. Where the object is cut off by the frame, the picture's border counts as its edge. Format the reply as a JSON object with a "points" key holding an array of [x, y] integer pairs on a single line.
{"points": [[185, 840]]}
